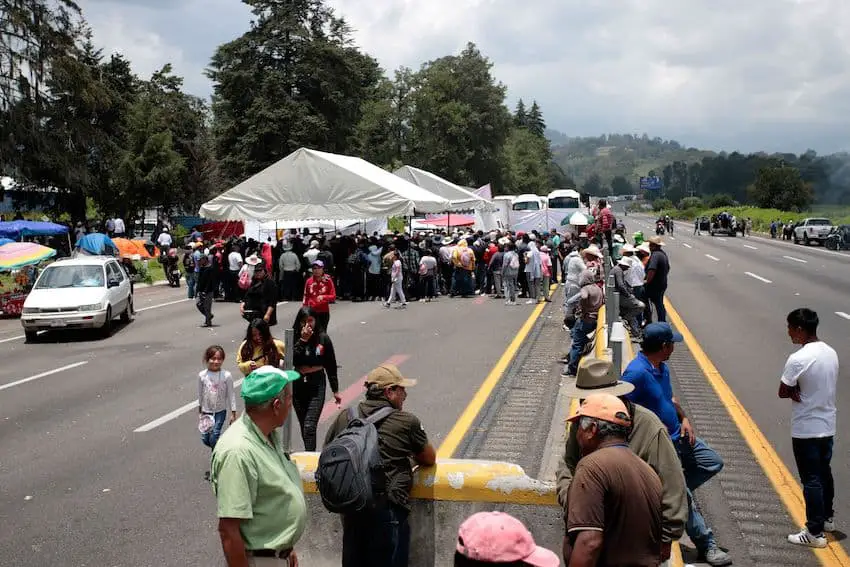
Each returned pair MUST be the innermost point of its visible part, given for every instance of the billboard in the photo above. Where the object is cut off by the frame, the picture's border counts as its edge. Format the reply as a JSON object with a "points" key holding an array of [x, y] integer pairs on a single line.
{"points": [[650, 183]]}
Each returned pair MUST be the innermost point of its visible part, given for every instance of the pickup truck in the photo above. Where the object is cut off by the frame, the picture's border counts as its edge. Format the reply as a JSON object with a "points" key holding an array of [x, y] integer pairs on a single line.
{"points": [[810, 230]]}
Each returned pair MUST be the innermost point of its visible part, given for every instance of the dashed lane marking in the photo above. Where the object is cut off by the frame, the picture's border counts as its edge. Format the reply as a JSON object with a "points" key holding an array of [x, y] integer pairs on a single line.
{"points": [[686, 245], [796, 259], [843, 315], [750, 247], [710, 257], [43, 375], [759, 278]]}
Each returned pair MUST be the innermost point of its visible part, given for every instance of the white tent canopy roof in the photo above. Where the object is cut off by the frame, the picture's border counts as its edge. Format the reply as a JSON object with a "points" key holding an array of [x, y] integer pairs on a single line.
{"points": [[460, 198], [309, 184]]}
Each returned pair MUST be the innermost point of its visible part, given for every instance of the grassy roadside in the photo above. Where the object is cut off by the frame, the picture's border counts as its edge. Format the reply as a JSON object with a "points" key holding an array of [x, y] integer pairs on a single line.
{"points": [[763, 217]]}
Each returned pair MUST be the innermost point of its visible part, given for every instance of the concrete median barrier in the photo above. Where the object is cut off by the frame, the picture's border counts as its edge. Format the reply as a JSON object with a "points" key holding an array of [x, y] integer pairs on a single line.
{"points": [[442, 497]]}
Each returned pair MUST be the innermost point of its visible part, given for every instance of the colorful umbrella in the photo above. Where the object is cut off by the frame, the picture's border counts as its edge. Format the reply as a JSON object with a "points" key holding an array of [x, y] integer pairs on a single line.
{"points": [[18, 254]]}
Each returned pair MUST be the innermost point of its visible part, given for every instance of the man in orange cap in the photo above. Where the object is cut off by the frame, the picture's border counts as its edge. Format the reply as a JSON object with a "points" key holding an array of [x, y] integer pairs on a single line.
{"points": [[614, 502]]}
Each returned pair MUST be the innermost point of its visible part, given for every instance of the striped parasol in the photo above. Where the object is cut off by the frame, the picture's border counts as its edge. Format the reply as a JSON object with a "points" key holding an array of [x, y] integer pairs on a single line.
{"points": [[18, 254]]}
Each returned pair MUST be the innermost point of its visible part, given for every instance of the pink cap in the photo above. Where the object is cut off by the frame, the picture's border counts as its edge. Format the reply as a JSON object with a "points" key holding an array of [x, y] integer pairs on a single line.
{"points": [[495, 537]]}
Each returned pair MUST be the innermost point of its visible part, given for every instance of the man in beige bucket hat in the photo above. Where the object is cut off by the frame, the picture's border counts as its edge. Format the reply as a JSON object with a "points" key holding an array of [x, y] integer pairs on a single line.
{"points": [[649, 440]]}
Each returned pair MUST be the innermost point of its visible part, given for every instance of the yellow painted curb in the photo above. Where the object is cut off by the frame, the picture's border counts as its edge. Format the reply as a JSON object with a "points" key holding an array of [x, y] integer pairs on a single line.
{"points": [[784, 483], [459, 480]]}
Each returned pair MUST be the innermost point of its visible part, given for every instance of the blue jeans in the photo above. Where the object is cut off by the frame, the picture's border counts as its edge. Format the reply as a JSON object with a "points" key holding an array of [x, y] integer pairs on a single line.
{"points": [[813, 457], [463, 282], [191, 278], [210, 438], [699, 464], [579, 335], [376, 538]]}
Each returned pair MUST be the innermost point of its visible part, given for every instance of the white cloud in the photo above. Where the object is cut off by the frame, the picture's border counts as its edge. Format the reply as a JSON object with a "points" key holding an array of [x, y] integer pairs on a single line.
{"points": [[755, 74]]}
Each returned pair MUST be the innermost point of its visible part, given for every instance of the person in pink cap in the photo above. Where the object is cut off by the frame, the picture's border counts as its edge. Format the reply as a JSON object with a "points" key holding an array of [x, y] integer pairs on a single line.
{"points": [[496, 538]]}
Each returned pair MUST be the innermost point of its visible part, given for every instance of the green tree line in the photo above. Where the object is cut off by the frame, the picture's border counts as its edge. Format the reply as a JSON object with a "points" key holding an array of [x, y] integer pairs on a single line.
{"points": [[78, 126], [781, 181]]}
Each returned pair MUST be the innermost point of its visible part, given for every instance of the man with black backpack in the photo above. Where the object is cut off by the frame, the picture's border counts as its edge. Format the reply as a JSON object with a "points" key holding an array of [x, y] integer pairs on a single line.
{"points": [[365, 471]]}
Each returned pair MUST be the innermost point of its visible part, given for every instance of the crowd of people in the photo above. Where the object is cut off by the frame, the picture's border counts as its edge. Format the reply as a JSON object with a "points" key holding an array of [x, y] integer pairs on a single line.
{"points": [[632, 460]]}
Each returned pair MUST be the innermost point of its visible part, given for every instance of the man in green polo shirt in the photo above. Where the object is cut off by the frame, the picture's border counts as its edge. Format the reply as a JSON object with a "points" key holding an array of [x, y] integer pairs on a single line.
{"points": [[261, 506]]}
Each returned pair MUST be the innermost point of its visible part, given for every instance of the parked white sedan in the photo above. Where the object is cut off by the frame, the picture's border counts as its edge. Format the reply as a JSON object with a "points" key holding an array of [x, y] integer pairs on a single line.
{"points": [[86, 292]]}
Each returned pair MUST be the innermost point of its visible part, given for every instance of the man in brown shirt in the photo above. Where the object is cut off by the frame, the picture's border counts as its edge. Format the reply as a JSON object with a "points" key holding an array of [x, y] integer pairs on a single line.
{"points": [[380, 537], [614, 515]]}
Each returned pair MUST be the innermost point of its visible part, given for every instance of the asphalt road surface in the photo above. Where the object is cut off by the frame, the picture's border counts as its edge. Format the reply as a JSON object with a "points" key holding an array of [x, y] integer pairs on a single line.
{"points": [[734, 295], [100, 458]]}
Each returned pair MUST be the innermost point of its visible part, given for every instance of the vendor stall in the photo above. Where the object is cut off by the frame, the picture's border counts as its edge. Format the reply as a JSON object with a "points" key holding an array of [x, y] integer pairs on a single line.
{"points": [[21, 259]]}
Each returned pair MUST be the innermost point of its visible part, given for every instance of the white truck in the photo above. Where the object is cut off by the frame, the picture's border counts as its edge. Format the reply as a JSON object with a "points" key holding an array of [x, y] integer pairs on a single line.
{"points": [[812, 230]]}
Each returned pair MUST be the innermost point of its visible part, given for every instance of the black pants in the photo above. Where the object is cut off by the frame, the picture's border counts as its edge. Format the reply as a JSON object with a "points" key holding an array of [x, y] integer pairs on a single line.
{"points": [[373, 286], [376, 538], [308, 398], [324, 319], [813, 457], [290, 286], [655, 298]]}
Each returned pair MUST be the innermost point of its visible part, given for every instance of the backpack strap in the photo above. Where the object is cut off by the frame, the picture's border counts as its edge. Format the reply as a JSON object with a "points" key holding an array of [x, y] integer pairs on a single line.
{"points": [[379, 415], [353, 412]]}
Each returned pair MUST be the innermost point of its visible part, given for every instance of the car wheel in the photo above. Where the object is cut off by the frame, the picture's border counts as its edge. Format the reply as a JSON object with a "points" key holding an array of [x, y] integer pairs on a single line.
{"points": [[31, 336], [128, 315], [106, 330]]}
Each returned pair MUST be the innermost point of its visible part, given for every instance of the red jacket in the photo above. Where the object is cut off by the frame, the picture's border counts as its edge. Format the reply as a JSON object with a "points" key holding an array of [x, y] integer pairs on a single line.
{"points": [[319, 294], [606, 219]]}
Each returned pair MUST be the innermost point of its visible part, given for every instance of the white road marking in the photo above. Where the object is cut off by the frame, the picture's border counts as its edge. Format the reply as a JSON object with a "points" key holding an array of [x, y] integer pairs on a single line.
{"points": [[843, 315], [10, 339], [42, 375], [710, 257], [750, 247], [162, 305], [175, 414], [672, 237], [796, 259], [686, 245], [759, 278]]}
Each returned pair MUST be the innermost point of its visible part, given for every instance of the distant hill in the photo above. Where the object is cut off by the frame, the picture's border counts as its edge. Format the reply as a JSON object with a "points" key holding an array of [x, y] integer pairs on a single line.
{"points": [[613, 155]]}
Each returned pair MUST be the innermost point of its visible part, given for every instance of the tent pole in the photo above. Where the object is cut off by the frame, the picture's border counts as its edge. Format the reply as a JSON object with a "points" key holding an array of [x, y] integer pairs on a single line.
{"points": [[449, 222]]}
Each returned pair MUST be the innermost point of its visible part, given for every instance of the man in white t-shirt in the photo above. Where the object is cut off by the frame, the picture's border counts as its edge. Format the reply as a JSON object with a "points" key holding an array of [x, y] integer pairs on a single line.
{"points": [[809, 381]]}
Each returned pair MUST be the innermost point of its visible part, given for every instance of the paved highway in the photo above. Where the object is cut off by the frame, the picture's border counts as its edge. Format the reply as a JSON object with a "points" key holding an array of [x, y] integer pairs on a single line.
{"points": [[734, 294], [100, 458]]}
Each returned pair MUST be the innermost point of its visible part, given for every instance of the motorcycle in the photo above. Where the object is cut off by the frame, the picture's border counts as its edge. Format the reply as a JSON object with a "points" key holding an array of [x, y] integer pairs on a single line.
{"points": [[169, 265], [659, 228]]}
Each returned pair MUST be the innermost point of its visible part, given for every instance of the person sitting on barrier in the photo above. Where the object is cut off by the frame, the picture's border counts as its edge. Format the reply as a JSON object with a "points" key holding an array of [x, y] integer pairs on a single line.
{"points": [[615, 500], [261, 506], [630, 306], [648, 439], [380, 536], [590, 299], [496, 538], [650, 376]]}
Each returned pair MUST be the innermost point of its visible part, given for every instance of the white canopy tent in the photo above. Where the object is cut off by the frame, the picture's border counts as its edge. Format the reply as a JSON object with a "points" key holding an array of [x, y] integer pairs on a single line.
{"points": [[461, 199], [309, 184]]}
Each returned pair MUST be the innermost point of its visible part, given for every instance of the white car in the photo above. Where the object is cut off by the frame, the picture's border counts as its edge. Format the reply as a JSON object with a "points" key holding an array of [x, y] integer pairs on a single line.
{"points": [[86, 292]]}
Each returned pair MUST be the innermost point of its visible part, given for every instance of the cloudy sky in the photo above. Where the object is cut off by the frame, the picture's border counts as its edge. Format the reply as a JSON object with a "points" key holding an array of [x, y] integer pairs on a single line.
{"points": [[746, 74]]}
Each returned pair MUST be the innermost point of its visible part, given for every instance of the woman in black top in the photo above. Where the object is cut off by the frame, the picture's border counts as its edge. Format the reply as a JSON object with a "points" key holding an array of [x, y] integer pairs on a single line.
{"points": [[260, 300], [313, 358]]}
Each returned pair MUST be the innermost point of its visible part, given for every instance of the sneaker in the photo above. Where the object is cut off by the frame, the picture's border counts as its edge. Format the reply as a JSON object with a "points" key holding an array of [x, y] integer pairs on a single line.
{"points": [[807, 539], [716, 557], [568, 376], [829, 525], [530, 302], [507, 302]]}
